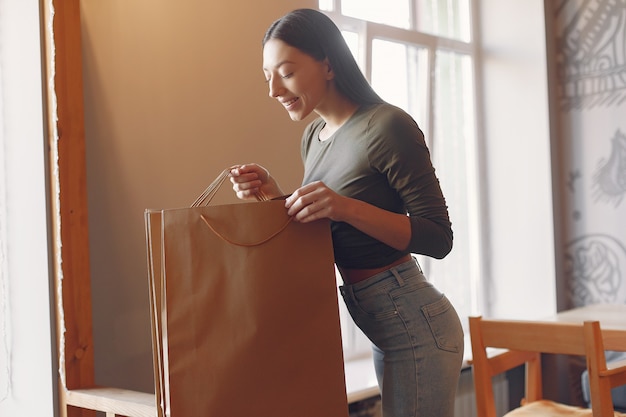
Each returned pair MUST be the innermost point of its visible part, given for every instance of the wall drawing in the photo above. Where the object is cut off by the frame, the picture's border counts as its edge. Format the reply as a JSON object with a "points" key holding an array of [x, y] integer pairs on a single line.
{"points": [[591, 53], [590, 65], [609, 181], [595, 265]]}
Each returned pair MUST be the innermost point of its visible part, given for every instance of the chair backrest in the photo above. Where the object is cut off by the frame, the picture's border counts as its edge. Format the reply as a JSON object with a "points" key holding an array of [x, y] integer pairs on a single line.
{"points": [[523, 342]]}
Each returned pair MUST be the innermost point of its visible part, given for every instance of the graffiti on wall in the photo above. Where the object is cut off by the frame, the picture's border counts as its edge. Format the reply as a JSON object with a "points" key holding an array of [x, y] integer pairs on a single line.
{"points": [[609, 181], [591, 53], [595, 265]]}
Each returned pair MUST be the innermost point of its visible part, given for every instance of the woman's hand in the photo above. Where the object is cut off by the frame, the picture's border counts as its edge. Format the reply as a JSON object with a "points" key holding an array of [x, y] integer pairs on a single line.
{"points": [[252, 181], [316, 201]]}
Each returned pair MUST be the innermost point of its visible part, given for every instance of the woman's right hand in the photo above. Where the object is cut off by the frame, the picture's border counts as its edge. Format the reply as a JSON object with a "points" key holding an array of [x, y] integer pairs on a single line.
{"points": [[252, 181]]}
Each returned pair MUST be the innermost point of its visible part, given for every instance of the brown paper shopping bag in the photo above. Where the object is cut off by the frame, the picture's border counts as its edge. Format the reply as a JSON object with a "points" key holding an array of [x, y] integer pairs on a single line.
{"points": [[245, 313]]}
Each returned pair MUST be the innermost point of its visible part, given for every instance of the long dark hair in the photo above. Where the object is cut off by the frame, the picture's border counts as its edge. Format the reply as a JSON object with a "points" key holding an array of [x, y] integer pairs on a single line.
{"points": [[313, 33]]}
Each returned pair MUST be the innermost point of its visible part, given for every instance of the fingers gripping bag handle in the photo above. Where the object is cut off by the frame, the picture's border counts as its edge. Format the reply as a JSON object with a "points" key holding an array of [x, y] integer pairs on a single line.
{"points": [[205, 199], [207, 195]]}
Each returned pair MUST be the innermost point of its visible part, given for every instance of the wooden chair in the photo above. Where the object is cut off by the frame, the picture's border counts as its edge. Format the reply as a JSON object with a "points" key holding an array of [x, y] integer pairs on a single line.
{"points": [[500, 345]]}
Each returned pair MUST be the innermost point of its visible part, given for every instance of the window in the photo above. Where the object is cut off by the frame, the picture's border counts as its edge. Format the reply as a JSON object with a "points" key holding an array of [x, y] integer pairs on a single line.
{"points": [[418, 55], [27, 343]]}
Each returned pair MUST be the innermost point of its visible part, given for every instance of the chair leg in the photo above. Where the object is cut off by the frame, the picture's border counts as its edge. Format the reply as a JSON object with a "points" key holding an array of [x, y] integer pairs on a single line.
{"points": [[600, 388]]}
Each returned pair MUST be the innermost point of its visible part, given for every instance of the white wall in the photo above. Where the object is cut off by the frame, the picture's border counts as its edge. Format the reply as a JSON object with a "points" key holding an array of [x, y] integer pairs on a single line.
{"points": [[517, 160], [27, 376]]}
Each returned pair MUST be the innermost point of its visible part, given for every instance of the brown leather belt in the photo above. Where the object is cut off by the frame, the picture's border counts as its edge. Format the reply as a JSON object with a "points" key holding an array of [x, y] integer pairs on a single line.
{"points": [[352, 276]]}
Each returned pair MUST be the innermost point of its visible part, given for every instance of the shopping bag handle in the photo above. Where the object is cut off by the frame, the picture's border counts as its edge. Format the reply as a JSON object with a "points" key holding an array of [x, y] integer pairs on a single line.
{"points": [[246, 244], [207, 195]]}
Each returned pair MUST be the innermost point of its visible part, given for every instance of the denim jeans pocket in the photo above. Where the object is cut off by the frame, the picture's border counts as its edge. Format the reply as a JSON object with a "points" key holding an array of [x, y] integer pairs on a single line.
{"points": [[374, 304], [444, 324]]}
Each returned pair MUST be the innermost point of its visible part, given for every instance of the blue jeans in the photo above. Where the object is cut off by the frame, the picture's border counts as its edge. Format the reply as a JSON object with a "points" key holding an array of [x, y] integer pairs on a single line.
{"points": [[417, 338]]}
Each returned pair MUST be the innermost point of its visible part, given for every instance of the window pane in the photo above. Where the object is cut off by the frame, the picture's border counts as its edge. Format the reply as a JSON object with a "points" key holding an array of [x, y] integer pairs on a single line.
{"points": [[390, 12], [450, 18], [326, 5], [453, 158], [399, 75], [352, 39]]}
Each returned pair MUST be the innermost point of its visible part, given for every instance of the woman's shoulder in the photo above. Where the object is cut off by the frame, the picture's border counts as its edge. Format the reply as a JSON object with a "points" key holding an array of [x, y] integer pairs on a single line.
{"points": [[387, 118], [381, 109], [385, 114]]}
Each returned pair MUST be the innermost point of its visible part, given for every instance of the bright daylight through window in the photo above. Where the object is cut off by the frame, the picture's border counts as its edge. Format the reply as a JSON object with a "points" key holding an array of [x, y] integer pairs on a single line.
{"points": [[418, 55]]}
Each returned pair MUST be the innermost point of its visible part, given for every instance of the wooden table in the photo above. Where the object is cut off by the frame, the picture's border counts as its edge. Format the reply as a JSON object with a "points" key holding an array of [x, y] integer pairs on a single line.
{"points": [[612, 318], [610, 315]]}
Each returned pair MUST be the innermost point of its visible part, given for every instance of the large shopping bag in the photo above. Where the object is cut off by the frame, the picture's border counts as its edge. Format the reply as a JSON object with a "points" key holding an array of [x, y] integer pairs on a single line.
{"points": [[245, 313]]}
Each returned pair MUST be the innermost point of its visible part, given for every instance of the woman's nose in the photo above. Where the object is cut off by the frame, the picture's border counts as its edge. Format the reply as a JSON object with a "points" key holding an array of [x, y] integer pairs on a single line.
{"points": [[275, 87]]}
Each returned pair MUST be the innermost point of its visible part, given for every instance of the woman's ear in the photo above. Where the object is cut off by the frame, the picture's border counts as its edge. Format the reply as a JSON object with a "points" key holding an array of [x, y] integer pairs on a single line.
{"points": [[330, 74]]}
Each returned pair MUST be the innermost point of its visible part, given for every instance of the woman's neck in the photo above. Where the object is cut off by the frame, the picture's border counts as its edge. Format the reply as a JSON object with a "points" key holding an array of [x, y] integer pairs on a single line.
{"points": [[335, 115]]}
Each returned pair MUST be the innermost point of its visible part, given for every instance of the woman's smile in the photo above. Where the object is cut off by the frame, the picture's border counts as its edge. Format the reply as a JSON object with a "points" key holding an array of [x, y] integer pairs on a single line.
{"points": [[289, 104]]}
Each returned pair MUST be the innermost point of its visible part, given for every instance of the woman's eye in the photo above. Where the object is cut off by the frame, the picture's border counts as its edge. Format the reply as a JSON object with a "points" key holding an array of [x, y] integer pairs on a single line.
{"points": [[287, 75]]}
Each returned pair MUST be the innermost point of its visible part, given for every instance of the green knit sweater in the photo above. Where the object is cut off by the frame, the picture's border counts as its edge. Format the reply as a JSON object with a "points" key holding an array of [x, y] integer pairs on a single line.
{"points": [[379, 156]]}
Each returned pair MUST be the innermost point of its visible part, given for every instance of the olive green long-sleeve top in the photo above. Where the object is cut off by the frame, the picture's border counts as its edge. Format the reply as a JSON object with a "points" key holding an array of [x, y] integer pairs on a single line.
{"points": [[379, 156]]}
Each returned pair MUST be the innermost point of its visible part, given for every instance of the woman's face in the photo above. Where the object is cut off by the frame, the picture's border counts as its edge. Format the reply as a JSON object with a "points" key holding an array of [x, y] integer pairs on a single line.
{"points": [[295, 79]]}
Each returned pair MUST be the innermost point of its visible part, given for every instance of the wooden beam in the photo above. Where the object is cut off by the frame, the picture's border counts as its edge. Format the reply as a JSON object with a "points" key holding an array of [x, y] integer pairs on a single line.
{"points": [[69, 187]]}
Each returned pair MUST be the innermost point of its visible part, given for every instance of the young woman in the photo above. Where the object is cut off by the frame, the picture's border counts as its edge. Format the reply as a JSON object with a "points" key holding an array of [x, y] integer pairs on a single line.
{"points": [[368, 170]]}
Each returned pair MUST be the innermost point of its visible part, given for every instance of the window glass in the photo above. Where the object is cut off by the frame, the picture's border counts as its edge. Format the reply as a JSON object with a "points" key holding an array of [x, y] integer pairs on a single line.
{"points": [[390, 12], [448, 18], [326, 5], [399, 76], [452, 152], [352, 39]]}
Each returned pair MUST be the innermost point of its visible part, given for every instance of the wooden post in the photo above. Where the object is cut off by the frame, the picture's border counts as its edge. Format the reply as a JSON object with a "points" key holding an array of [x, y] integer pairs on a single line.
{"points": [[69, 210]]}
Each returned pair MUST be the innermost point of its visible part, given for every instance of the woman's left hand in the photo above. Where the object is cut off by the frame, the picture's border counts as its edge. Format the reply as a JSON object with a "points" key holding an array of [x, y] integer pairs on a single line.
{"points": [[316, 201]]}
